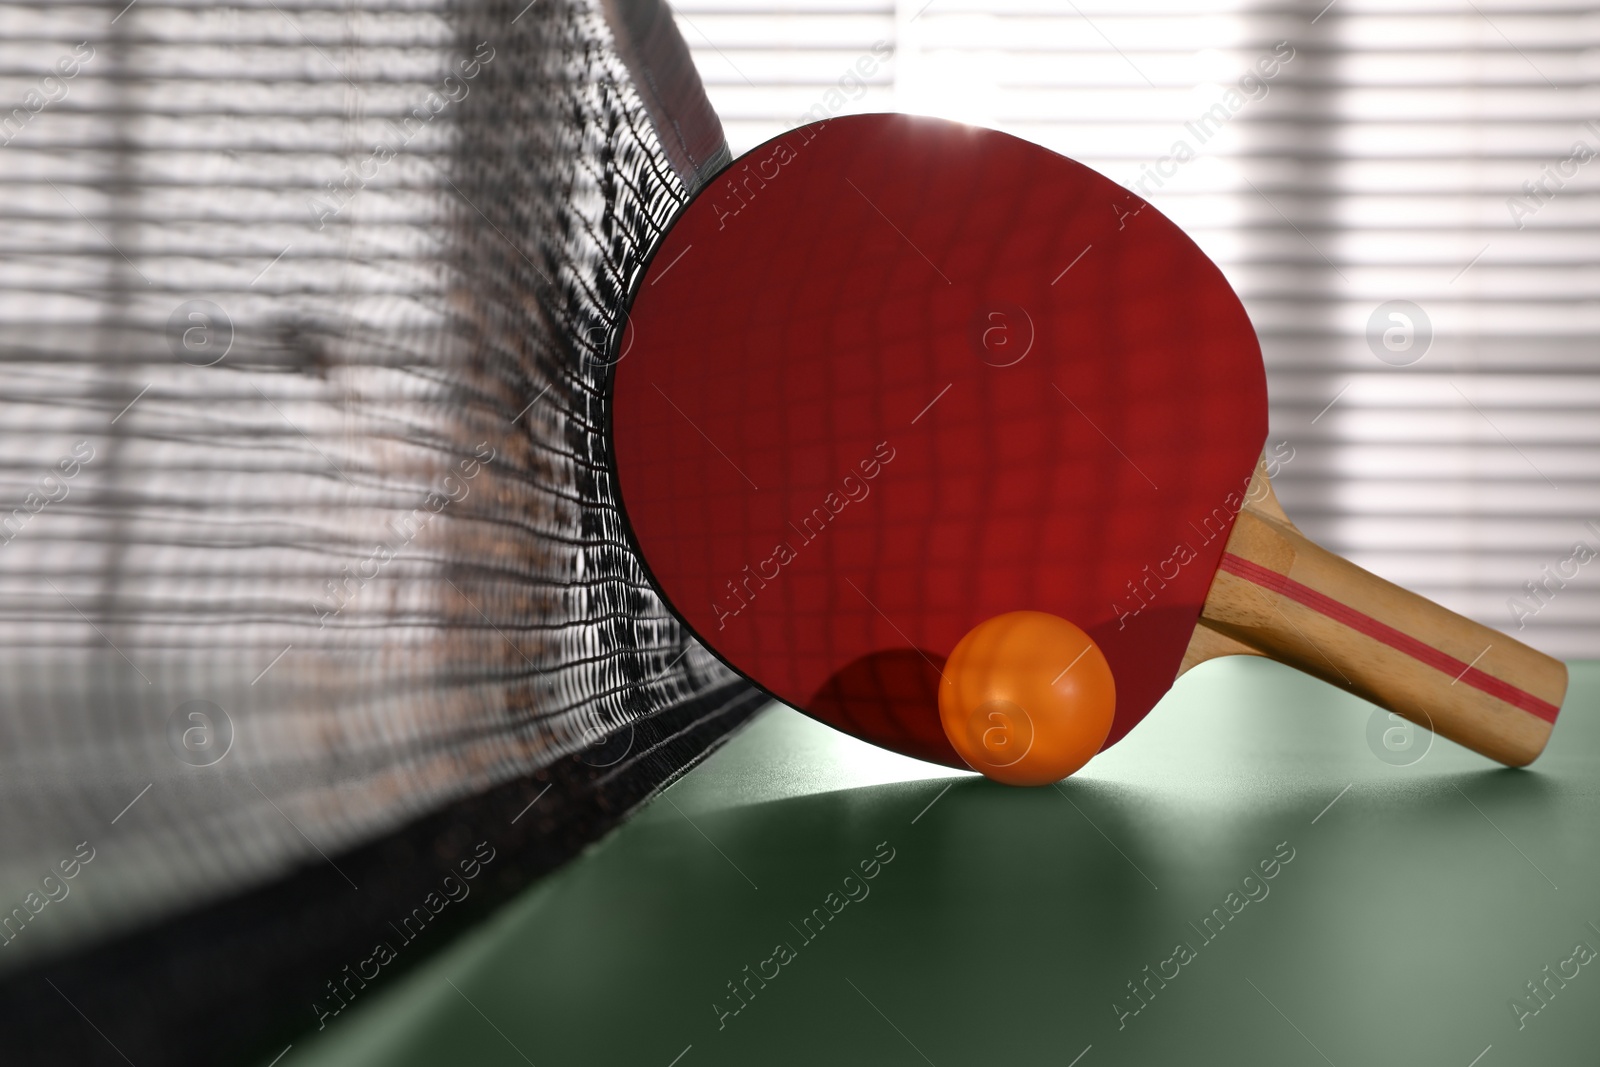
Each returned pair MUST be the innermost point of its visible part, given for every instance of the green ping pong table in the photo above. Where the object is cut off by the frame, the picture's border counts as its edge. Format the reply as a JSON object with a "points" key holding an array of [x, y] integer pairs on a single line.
{"points": [[1267, 871]]}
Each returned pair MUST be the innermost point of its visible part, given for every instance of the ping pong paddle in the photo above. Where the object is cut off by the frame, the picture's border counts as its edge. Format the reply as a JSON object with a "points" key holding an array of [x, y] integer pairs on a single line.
{"points": [[887, 377]]}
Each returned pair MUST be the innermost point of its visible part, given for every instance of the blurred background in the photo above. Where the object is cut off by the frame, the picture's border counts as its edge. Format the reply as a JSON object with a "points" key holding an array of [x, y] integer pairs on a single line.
{"points": [[1430, 152]]}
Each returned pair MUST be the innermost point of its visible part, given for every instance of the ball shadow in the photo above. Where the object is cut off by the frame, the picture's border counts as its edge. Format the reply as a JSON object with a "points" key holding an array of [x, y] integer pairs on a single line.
{"points": [[890, 699]]}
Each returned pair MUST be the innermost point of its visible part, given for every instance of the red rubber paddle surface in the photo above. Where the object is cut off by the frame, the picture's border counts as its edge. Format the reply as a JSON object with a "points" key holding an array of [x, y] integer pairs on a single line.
{"points": [[887, 377]]}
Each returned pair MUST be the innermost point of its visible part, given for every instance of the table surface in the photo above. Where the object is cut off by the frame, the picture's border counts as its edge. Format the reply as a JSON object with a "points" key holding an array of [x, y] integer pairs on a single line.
{"points": [[1420, 897]]}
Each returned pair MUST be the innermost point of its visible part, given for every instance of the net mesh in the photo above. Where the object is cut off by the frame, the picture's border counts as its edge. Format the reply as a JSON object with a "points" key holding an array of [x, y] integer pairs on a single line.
{"points": [[307, 534]]}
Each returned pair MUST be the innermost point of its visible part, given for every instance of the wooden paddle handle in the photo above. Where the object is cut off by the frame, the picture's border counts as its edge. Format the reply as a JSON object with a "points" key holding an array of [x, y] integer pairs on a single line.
{"points": [[1280, 595]]}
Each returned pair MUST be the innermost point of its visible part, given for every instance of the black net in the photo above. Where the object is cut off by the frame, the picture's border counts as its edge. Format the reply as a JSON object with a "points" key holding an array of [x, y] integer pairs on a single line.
{"points": [[311, 576]]}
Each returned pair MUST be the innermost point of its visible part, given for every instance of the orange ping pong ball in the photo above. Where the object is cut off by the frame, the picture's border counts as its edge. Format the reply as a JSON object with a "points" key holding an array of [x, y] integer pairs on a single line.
{"points": [[1027, 698]]}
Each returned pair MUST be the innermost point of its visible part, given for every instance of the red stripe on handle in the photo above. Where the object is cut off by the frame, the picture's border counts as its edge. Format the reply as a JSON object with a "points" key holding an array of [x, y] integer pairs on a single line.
{"points": [[1366, 624]]}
